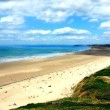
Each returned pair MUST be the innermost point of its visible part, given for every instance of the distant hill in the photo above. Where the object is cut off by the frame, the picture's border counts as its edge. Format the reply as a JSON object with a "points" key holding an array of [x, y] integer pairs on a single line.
{"points": [[103, 45], [93, 93]]}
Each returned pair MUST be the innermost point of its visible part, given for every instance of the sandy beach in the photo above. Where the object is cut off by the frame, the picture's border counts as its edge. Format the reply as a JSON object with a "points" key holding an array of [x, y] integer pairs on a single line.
{"points": [[42, 80]]}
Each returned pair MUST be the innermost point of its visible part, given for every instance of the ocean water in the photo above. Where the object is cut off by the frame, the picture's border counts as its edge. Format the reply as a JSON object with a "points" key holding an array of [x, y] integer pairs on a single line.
{"points": [[22, 52]]}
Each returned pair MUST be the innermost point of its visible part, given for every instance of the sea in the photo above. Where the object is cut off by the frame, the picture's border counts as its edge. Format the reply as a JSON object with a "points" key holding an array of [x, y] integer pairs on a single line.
{"points": [[9, 53]]}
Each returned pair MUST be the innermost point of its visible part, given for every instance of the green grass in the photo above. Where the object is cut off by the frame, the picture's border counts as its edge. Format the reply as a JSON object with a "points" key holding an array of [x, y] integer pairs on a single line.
{"points": [[97, 84], [93, 93], [104, 72], [66, 105]]}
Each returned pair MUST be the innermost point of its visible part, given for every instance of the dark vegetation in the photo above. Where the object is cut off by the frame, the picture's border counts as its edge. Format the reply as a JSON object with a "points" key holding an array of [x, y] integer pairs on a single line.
{"points": [[93, 93]]}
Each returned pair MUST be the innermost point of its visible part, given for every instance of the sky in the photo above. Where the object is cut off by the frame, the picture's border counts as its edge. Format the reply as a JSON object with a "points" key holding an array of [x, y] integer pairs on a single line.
{"points": [[54, 22]]}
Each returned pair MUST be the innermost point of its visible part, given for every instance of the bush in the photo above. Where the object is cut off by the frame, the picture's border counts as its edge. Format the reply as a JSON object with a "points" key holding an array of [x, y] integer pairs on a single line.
{"points": [[103, 96]]}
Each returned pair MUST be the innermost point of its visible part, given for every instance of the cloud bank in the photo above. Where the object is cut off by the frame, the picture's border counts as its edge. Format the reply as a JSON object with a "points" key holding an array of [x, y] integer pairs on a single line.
{"points": [[13, 15], [56, 10]]}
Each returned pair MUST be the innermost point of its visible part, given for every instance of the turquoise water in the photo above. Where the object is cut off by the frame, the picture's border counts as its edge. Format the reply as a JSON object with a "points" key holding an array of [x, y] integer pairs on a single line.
{"points": [[21, 52]]}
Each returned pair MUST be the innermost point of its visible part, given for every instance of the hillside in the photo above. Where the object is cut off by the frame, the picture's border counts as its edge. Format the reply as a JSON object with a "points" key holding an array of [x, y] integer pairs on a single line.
{"points": [[93, 93]]}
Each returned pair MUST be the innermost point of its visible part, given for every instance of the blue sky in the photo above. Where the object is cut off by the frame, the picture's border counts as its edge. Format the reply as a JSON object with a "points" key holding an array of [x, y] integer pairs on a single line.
{"points": [[54, 22]]}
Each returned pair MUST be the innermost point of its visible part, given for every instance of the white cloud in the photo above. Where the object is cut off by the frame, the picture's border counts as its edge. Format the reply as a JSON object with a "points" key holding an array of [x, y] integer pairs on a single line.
{"points": [[15, 20], [75, 37], [105, 24], [57, 10], [9, 32], [60, 31], [106, 33], [93, 20], [68, 30], [38, 32], [26, 39]]}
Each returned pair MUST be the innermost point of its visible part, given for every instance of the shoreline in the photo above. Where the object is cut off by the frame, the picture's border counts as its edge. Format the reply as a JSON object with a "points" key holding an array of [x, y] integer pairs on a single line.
{"points": [[90, 48], [34, 67], [41, 57], [11, 67], [34, 81]]}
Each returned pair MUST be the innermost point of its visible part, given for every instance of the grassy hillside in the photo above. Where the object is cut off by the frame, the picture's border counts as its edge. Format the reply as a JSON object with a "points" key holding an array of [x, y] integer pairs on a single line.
{"points": [[93, 93]]}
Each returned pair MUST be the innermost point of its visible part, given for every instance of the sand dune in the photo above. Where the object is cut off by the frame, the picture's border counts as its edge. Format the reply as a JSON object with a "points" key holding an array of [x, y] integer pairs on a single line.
{"points": [[53, 78]]}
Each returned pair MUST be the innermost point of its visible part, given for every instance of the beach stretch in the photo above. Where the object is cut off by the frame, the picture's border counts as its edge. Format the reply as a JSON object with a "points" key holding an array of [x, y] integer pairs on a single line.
{"points": [[42, 80]]}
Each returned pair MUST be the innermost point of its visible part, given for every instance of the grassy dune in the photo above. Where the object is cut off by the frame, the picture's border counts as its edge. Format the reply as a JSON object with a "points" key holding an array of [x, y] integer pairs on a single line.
{"points": [[93, 93]]}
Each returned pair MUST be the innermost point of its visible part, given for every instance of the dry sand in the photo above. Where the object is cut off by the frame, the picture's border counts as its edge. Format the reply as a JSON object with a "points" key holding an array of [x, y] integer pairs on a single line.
{"points": [[35, 81]]}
